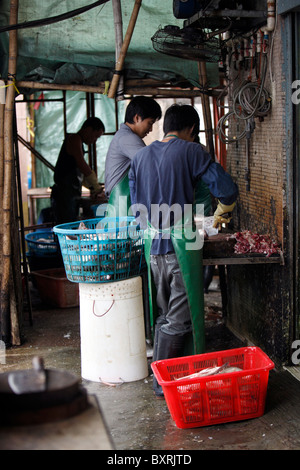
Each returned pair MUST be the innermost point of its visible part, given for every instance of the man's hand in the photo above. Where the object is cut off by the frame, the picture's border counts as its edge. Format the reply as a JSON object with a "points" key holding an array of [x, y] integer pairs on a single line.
{"points": [[99, 197], [92, 184], [222, 215]]}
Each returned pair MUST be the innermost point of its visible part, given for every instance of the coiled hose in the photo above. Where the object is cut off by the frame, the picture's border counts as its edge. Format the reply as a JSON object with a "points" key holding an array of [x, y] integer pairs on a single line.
{"points": [[251, 99], [221, 129]]}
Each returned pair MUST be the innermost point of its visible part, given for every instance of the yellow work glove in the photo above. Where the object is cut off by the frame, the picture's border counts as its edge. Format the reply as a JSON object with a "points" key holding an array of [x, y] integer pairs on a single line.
{"points": [[220, 212], [91, 183]]}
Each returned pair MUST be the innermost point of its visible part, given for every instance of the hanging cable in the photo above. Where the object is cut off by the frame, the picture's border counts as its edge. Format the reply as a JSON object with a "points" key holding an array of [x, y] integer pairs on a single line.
{"points": [[252, 99], [53, 19], [221, 129]]}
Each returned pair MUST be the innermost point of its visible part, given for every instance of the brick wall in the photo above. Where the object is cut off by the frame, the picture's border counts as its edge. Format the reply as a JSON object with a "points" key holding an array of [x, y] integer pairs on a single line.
{"points": [[258, 295], [261, 208]]}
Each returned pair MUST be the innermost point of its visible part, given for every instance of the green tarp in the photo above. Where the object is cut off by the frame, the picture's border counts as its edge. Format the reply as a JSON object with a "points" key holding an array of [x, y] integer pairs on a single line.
{"points": [[81, 50], [63, 52]]}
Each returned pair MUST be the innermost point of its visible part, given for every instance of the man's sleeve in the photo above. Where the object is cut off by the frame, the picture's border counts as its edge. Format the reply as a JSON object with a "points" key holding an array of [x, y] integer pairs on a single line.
{"points": [[220, 183], [130, 145]]}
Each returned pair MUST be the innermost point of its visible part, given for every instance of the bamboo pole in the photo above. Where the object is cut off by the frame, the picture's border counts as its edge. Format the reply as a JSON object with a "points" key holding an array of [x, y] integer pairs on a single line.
{"points": [[88, 88], [162, 92], [2, 106], [15, 331], [1, 187], [32, 140], [140, 82], [132, 87], [117, 11], [206, 110], [8, 172], [54, 86], [18, 251], [15, 284], [125, 45]]}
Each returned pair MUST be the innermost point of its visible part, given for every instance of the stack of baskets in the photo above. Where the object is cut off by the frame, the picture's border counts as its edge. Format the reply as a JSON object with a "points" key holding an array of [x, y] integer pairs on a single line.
{"points": [[102, 249], [43, 250]]}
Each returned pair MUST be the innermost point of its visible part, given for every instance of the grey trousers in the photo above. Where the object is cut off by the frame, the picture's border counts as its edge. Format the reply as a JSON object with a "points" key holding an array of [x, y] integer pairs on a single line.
{"points": [[173, 310]]}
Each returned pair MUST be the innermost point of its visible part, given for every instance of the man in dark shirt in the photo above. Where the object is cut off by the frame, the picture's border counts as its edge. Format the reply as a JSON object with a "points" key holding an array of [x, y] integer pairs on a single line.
{"points": [[72, 171], [164, 175]]}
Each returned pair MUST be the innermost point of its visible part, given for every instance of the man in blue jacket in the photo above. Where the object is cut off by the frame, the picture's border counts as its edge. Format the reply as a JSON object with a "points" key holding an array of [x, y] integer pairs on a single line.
{"points": [[165, 174]]}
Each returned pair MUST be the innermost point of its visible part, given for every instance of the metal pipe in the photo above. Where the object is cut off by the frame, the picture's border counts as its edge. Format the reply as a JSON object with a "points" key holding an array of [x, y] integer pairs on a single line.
{"points": [[271, 17]]}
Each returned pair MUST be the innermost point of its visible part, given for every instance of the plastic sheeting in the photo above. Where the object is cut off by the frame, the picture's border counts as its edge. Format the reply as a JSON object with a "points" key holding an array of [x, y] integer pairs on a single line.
{"points": [[81, 50], [63, 52]]}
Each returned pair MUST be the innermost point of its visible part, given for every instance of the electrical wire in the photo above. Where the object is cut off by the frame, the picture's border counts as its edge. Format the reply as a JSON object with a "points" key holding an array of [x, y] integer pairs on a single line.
{"points": [[207, 6], [252, 99], [221, 129], [272, 43], [53, 19], [249, 99], [225, 91]]}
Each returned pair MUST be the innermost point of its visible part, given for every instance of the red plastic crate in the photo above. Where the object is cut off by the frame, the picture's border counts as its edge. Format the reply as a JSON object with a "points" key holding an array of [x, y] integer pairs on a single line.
{"points": [[219, 398]]}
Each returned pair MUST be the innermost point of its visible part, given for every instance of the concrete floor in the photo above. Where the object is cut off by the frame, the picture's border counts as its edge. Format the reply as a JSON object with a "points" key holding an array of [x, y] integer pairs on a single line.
{"points": [[134, 418]]}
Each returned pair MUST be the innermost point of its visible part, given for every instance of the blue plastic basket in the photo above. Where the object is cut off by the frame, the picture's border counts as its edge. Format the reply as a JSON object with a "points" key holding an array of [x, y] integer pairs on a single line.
{"points": [[105, 250], [42, 244]]}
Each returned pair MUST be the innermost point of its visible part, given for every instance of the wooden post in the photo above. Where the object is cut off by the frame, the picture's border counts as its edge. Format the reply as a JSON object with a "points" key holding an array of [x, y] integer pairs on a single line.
{"points": [[1, 164], [54, 86], [1, 188], [8, 173], [125, 45], [117, 10], [32, 140]]}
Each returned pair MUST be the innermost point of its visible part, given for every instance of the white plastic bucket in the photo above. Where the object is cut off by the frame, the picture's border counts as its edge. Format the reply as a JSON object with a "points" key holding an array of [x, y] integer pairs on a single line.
{"points": [[113, 343]]}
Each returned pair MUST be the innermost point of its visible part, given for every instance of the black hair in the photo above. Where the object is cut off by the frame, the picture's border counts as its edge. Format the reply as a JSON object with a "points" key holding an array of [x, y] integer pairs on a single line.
{"points": [[95, 123], [181, 116], [144, 107]]}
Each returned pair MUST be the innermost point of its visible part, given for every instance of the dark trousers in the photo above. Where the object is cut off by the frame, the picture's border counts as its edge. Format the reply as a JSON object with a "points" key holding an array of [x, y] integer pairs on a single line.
{"points": [[174, 314], [65, 203]]}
